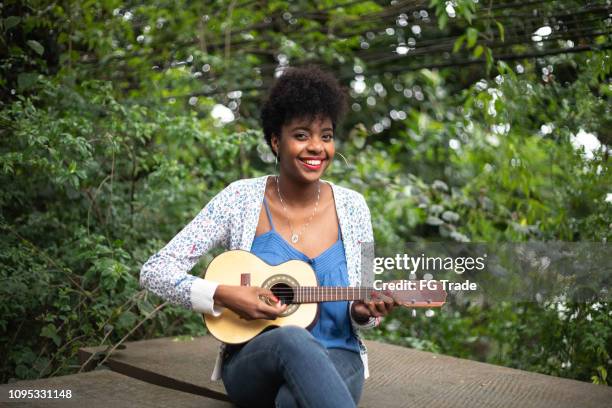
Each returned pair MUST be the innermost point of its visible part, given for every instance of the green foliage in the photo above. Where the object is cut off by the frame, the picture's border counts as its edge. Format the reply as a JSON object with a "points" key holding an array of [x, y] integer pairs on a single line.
{"points": [[510, 173], [107, 148], [85, 183]]}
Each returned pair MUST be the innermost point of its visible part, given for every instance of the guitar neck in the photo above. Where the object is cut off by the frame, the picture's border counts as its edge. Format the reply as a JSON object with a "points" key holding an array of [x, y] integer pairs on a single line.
{"points": [[315, 294]]}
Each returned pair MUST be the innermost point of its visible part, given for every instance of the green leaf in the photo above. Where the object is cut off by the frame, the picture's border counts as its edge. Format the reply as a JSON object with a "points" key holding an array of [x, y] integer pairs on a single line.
{"points": [[478, 51], [145, 307], [504, 68], [442, 20], [458, 43], [489, 57], [501, 29], [467, 14], [26, 80], [35, 45], [50, 331], [126, 320], [22, 371], [10, 22], [472, 36]]}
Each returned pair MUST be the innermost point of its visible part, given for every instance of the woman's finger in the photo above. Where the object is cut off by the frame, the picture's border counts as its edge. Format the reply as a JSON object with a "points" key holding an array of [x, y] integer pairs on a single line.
{"points": [[381, 307], [372, 307], [271, 311], [390, 296], [389, 304], [261, 292]]}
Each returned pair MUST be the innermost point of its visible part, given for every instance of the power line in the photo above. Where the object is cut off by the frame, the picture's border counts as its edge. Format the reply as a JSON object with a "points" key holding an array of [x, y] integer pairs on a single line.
{"points": [[507, 57], [447, 44], [449, 64]]}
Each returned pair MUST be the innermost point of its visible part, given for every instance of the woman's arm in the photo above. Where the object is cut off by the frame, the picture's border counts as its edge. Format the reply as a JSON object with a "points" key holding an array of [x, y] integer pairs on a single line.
{"points": [[166, 272]]}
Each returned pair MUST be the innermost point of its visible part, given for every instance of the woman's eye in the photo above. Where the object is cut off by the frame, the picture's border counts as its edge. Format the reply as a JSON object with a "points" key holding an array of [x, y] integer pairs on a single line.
{"points": [[300, 136], [328, 137]]}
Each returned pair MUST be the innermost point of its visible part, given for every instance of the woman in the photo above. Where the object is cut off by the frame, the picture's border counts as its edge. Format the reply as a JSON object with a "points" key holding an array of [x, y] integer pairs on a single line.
{"points": [[293, 215]]}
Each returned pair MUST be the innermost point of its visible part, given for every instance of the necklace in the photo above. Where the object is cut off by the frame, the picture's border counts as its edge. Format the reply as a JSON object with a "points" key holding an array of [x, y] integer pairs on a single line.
{"points": [[295, 237]]}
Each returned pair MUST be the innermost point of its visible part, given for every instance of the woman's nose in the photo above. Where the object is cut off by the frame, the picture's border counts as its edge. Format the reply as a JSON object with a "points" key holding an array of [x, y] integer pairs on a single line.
{"points": [[316, 144]]}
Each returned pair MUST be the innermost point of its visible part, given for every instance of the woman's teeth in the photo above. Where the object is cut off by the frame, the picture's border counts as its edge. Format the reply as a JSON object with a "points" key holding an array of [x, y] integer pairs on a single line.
{"points": [[312, 164]]}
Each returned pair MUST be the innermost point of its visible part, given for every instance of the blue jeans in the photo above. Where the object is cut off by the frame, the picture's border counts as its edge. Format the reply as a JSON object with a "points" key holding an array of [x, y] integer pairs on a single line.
{"points": [[287, 367]]}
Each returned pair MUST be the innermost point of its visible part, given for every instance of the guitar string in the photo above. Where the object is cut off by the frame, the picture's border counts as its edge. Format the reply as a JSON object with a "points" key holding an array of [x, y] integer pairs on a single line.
{"points": [[324, 291], [344, 287]]}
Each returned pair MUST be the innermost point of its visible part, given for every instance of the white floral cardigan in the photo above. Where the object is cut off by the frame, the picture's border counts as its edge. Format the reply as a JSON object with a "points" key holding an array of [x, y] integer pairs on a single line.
{"points": [[229, 220]]}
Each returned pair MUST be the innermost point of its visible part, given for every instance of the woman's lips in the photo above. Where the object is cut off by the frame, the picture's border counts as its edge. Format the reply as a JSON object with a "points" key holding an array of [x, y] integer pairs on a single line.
{"points": [[312, 164]]}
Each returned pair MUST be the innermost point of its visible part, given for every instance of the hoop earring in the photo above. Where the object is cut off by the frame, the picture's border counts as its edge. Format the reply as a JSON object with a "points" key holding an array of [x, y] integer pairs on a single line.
{"points": [[344, 158], [276, 163]]}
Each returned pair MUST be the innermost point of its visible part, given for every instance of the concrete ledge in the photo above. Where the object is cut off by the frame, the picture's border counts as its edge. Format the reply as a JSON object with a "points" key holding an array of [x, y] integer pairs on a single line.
{"points": [[400, 377]]}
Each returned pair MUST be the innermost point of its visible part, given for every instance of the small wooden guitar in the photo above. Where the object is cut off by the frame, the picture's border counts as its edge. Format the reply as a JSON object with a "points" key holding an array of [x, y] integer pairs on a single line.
{"points": [[295, 284]]}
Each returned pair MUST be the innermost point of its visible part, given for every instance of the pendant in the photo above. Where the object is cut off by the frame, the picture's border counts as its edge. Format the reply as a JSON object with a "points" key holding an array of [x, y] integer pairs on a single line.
{"points": [[294, 238]]}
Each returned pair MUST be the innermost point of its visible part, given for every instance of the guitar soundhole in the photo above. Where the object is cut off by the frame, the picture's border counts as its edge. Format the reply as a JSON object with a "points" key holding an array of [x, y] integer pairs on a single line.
{"points": [[282, 287], [284, 292]]}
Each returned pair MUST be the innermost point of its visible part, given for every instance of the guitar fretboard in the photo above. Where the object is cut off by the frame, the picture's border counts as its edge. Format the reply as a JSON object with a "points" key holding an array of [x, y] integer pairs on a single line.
{"points": [[314, 294]]}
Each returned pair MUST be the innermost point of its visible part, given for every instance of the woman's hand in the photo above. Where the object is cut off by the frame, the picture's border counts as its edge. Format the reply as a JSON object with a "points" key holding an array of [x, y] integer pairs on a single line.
{"points": [[378, 306], [246, 302]]}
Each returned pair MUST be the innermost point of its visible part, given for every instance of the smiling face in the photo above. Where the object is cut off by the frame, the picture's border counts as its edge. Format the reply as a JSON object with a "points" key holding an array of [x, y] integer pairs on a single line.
{"points": [[305, 148]]}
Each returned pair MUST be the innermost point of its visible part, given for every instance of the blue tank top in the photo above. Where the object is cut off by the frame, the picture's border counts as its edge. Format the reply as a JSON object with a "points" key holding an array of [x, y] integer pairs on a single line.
{"points": [[333, 328]]}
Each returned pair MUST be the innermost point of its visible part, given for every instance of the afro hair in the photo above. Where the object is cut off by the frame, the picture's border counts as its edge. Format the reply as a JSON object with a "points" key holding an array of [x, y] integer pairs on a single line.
{"points": [[306, 92]]}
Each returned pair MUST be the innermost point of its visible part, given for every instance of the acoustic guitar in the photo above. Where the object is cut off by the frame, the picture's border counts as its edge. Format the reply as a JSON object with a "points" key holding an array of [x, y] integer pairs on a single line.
{"points": [[295, 284]]}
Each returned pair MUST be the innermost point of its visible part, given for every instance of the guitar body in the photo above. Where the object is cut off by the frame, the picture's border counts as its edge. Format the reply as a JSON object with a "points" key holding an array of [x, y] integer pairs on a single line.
{"points": [[241, 268]]}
